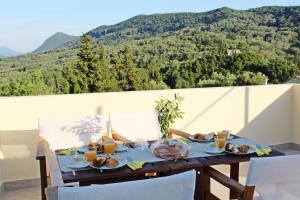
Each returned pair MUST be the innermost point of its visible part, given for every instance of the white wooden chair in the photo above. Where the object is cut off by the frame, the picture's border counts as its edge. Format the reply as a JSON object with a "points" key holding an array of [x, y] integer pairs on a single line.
{"points": [[274, 178], [62, 133], [175, 187], [138, 125]]}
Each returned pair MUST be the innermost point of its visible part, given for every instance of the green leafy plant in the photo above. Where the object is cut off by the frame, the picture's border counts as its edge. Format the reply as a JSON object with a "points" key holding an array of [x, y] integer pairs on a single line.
{"points": [[168, 112]]}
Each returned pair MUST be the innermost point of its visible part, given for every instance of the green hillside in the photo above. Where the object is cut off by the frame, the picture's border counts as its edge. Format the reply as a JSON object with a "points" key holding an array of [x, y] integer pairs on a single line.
{"points": [[177, 50], [55, 41]]}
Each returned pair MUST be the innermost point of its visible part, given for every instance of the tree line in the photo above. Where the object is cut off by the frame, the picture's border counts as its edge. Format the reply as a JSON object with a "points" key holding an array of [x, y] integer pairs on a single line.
{"points": [[153, 64]]}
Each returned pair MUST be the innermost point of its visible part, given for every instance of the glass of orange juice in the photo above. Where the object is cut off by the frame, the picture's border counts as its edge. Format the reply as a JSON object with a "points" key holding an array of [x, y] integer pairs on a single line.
{"points": [[220, 141], [90, 155], [223, 134], [110, 147]]}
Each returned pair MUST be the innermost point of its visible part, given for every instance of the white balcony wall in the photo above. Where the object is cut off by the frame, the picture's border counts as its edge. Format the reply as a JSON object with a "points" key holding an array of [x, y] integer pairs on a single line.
{"points": [[1, 168], [263, 113], [296, 110]]}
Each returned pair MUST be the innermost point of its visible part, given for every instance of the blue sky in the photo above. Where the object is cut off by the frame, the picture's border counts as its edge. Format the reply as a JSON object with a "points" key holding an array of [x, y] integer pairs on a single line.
{"points": [[25, 24]]}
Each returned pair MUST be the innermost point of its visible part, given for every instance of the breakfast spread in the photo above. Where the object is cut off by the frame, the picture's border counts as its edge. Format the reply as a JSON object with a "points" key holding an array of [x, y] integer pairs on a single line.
{"points": [[170, 149], [95, 146], [111, 163], [236, 148], [107, 161], [203, 137], [99, 161], [244, 148]]}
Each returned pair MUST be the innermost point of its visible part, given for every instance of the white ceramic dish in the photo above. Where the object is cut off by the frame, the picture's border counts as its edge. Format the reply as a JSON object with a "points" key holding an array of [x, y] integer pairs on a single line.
{"points": [[78, 165], [84, 149], [214, 150], [250, 151], [191, 137], [121, 148]]}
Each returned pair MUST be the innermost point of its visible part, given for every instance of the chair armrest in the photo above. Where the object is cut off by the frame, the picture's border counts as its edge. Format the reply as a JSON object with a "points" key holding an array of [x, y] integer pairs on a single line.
{"points": [[225, 180], [41, 157], [119, 137], [179, 133], [41, 150]]}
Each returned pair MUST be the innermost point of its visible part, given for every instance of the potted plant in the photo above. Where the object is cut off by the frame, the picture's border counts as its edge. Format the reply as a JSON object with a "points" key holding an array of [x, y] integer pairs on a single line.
{"points": [[168, 112]]}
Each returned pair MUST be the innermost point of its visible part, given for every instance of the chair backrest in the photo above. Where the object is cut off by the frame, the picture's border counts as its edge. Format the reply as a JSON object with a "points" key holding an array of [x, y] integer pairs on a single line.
{"points": [[68, 132], [175, 187], [136, 125], [275, 177]]}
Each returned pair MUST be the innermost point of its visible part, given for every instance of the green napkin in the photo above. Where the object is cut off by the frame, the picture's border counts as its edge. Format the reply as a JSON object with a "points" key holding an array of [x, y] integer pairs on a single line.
{"points": [[184, 140], [265, 151], [68, 152], [137, 164], [65, 152]]}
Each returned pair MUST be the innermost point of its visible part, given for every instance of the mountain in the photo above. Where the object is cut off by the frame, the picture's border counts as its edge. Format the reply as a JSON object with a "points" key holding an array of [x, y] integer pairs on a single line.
{"points": [[178, 50], [55, 41], [222, 19], [7, 52]]}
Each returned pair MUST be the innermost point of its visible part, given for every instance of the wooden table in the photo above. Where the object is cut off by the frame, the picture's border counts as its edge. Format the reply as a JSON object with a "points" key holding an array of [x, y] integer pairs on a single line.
{"points": [[163, 168]]}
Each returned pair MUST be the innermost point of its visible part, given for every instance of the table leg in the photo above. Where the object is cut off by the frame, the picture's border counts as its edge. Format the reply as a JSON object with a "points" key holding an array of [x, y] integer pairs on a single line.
{"points": [[234, 174], [202, 185], [198, 188], [44, 178]]}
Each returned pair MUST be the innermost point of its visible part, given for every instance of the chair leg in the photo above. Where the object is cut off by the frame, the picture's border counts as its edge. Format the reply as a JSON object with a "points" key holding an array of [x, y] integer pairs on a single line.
{"points": [[234, 174], [43, 174], [198, 187], [202, 185], [249, 193]]}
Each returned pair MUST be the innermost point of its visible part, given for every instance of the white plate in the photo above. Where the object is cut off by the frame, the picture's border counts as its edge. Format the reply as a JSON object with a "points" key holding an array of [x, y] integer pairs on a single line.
{"points": [[85, 149], [191, 137], [82, 149], [122, 162], [251, 151], [78, 165], [214, 150], [121, 148]]}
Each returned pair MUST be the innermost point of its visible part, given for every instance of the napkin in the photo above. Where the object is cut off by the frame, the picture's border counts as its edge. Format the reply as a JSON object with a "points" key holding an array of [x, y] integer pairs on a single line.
{"points": [[68, 152], [263, 151], [137, 164], [184, 140], [65, 152]]}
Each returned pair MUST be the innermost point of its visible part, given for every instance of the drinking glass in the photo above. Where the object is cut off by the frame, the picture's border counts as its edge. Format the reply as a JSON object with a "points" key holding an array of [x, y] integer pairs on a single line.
{"points": [[220, 141], [109, 147], [223, 134], [90, 155]]}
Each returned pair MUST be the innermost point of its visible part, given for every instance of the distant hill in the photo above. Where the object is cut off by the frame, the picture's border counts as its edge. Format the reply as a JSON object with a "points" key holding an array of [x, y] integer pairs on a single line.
{"points": [[55, 41], [7, 52]]}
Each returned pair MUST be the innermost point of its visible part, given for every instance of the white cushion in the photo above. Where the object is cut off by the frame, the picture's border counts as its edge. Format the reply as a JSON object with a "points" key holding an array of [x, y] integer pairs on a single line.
{"points": [[142, 125], [175, 187], [275, 177], [70, 132]]}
